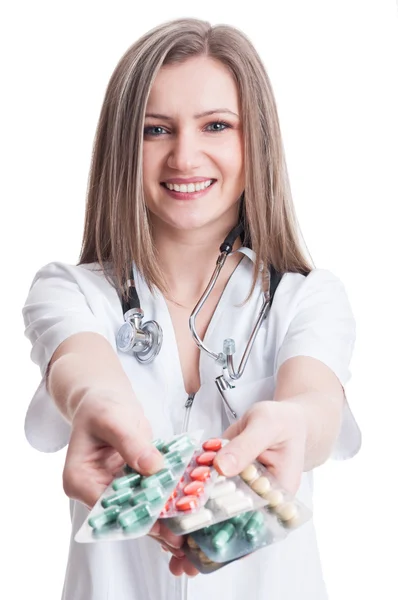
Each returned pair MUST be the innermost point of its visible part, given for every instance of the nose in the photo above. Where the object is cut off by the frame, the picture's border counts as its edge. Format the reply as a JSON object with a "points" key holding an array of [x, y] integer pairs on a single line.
{"points": [[185, 153]]}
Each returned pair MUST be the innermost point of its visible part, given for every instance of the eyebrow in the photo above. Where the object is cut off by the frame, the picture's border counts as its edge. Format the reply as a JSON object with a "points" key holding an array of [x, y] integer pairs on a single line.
{"points": [[206, 113]]}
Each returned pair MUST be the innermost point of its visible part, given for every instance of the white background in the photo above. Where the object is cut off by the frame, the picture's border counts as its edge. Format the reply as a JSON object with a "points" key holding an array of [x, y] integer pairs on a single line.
{"points": [[333, 65]]}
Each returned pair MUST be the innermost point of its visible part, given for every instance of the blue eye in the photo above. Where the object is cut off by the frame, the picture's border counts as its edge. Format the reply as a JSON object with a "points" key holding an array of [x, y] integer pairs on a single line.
{"points": [[218, 126], [154, 130]]}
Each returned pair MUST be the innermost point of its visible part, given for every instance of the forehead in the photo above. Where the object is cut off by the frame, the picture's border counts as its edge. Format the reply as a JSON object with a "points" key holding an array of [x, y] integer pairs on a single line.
{"points": [[198, 84]]}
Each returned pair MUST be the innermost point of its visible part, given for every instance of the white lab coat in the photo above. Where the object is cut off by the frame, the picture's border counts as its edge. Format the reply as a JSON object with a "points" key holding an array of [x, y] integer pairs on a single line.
{"points": [[310, 316]]}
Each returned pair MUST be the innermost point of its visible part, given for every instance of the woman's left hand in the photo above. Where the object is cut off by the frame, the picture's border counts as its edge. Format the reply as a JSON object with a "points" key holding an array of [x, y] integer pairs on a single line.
{"points": [[274, 432]]}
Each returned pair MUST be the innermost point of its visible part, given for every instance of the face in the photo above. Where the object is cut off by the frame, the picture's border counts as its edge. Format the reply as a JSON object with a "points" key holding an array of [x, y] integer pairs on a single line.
{"points": [[193, 147]]}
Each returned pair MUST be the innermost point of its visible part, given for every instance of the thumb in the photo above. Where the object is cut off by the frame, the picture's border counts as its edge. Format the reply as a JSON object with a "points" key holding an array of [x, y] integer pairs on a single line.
{"points": [[248, 444]]}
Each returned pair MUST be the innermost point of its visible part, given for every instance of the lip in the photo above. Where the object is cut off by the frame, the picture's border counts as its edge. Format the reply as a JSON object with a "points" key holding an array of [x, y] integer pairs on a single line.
{"points": [[179, 180], [188, 195]]}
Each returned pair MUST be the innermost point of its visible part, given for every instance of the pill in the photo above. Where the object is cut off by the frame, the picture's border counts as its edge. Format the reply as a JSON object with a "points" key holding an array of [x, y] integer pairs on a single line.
{"points": [[249, 473], [173, 494], [214, 445], [131, 480], [131, 516], [287, 511], [195, 488], [205, 560], [183, 443], [223, 536], [197, 520], [261, 486], [240, 519], [222, 501], [191, 543], [222, 489], [173, 458], [200, 474], [207, 458], [254, 526], [119, 498], [274, 497], [165, 476], [239, 505], [148, 495], [159, 444], [187, 503], [109, 515]]}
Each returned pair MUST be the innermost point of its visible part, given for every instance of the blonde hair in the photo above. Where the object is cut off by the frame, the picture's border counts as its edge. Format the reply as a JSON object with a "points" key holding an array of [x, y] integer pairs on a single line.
{"points": [[117, 226]]}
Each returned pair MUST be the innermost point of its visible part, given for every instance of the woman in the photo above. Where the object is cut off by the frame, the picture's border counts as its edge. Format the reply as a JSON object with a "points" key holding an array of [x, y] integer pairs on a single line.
{"points": [[188, 145]]}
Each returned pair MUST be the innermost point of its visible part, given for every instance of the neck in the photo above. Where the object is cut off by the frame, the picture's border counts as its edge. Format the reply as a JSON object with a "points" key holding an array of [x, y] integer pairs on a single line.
{"points": [[188, 259]]}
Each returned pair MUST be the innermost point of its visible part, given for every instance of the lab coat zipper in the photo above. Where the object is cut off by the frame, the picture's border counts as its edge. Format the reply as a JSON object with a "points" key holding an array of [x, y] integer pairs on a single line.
{"points": [[188, 407]]}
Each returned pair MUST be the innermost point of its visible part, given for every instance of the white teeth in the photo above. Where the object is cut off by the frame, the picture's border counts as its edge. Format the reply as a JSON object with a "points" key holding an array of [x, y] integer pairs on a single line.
{"points": [[189, 188]]}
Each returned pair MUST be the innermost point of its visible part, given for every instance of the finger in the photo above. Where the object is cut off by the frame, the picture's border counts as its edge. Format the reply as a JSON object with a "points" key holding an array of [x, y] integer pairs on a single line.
{"points": [[176, 567], [160, 530], [189, 569], [173, 551], [245, 447], [130, 435]]}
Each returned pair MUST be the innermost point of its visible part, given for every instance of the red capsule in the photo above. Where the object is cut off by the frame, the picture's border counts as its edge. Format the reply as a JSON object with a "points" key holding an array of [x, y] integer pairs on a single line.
{"points": [[187, 503], [200, 474], [195, 488], [206, 458], [214, 445]]}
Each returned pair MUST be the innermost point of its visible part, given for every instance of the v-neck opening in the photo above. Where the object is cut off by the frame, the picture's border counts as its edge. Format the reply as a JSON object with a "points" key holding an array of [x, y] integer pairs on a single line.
{"points": [[210, 328]]}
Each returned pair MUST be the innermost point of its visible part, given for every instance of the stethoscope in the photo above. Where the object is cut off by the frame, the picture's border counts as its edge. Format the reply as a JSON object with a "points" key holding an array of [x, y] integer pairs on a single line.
{"points": [[144, 340]]}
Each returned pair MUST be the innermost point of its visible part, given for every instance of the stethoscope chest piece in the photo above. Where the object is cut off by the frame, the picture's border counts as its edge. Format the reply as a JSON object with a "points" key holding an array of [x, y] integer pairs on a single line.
{"points": [[143, 339]]}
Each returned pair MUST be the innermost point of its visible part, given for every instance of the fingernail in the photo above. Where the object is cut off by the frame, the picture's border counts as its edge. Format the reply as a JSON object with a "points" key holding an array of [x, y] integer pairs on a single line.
{"points": [[164, 549], [227, 463], [149, 460]]}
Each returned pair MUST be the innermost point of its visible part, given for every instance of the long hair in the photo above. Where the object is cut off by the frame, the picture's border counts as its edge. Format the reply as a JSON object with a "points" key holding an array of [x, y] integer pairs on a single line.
{"points": [[117, 228]]}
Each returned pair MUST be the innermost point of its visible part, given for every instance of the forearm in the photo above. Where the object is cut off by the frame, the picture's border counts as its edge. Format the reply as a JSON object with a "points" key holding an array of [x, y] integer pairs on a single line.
{"points": [[322, 417], [85, 364]]}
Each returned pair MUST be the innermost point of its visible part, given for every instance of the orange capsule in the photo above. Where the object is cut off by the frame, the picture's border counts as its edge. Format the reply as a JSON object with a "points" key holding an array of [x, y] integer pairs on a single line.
{"points": [[187, 503], [200, 474], [206, 458], [214, 445], [195, 488]]}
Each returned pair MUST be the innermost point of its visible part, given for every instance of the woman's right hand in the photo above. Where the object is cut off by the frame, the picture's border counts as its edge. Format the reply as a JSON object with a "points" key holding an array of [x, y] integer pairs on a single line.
{"points": [[107, 432]]}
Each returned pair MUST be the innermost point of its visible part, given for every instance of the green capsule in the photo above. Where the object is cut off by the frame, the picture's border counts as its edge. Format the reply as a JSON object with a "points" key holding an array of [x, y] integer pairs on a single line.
{"points": [[240, 519], [159, 444], [131, 480], [133, 515], [109, 515], [119, 498], [173, 458], [164, 477], [254, 526], [148, 495], [223, 536], [183, 443]]}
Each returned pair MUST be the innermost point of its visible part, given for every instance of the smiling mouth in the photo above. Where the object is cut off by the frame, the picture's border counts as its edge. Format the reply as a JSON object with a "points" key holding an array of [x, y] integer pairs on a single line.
{"points": [[189, 188]]}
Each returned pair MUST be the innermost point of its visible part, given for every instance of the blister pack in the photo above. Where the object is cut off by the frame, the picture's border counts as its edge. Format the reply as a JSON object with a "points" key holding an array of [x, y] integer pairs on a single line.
{"points": [[227, 497], [196, 484], [224, 541], [234, 538], [131, 504]]}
